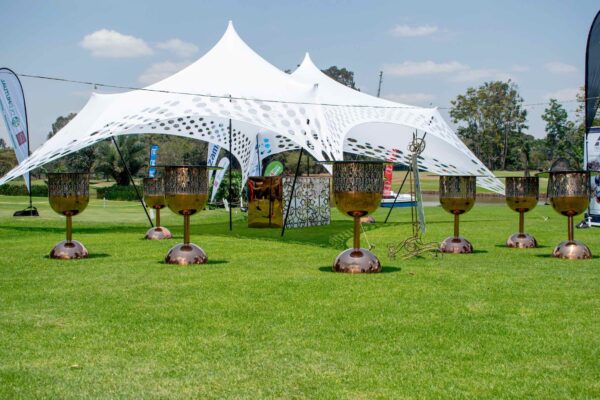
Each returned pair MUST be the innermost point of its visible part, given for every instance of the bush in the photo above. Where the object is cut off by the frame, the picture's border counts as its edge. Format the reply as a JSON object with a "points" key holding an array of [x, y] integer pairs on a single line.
{"points": [[116, 192], [21, 190]]}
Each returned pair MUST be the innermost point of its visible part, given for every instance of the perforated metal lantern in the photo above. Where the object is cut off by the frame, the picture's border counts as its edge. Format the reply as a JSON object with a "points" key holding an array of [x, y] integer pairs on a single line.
{"points": [[522, 195], [357, 191], [186, 193], [154, 197], [569, 193], [457, 196], [69, 195]]}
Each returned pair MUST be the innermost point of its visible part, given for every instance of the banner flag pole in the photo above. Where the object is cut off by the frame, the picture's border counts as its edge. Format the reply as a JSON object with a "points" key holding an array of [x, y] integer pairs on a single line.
{"points": [[14, 111]]}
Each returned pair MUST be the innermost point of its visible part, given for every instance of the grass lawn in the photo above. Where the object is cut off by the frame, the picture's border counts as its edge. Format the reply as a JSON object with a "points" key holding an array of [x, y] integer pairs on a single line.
{"points": [[267, 319]]}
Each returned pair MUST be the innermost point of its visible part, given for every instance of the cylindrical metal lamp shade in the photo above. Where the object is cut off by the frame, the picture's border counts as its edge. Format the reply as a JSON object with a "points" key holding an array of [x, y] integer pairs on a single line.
{"points": [[186, 189], [569, 193], [522, 195], [457, 193], [357, 187], [69, 195], [154, 193]]}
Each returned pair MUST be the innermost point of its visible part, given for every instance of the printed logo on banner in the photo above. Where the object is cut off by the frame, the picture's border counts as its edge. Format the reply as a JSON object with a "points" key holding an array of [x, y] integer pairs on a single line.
{"points": [[21, 138], [16, 122]]}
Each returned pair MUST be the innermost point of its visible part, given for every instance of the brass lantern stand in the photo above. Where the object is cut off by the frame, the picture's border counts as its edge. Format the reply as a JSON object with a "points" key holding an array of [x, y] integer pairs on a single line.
{"points": [[154, 197], [522, 195], [457, 196]]}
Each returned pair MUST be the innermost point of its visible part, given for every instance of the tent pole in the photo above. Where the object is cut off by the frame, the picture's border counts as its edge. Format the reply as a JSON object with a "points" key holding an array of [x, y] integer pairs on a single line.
{"points": [[230, 193], [258, 155], [137, 193], [397, 194], [287, 211]]}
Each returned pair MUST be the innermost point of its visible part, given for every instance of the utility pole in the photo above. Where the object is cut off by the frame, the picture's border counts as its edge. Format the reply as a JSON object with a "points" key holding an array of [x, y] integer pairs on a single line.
{"points": [[380, 80]]}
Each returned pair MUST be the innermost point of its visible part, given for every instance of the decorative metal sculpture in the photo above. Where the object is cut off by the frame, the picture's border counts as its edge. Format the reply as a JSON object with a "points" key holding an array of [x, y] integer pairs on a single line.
{"points": [[522, 195], [154, 197], [457, 196], [357, 191], [569, 194], [265, 202], [186, 192], [69, 194]]}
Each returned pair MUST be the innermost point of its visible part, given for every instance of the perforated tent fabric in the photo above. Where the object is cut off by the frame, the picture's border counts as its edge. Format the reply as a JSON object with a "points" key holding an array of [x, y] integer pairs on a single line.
{"points": [[306, 109]]}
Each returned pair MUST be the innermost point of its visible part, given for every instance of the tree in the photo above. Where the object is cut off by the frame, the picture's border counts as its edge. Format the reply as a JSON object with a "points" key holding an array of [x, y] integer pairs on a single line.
{"points": [[109, 162], [3, 144], [557, 126], [492, 121], [343, 76], [80, 161]]}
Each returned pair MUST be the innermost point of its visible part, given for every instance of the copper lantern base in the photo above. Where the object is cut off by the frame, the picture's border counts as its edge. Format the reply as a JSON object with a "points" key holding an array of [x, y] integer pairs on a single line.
{"points": [[158, 233], [69, 250], [456, 245], [572, 250], [521, 240], [356, 261], [186, 253]]}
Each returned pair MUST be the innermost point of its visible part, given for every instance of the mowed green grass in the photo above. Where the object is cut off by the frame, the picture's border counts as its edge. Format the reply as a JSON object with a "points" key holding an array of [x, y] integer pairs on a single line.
{"points": [[265, 318]]}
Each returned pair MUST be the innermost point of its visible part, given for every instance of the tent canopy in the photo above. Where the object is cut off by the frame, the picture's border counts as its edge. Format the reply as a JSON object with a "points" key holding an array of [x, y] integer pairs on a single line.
{"points": [[305, 110]]}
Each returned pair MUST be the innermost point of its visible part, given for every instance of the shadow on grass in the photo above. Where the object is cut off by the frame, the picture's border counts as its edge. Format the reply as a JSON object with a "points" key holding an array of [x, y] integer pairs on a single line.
{"points": [[549, 255], [210, 262], [503, 246], [384, 270], [90, 256]]}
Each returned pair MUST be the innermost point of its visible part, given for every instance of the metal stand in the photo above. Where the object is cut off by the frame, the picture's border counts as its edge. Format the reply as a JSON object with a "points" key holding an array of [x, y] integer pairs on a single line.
{"points": [[287, 211]]}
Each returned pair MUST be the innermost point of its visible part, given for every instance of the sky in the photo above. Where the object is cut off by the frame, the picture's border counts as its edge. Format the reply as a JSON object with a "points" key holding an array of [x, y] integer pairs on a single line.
{"points": [[429, 51]]}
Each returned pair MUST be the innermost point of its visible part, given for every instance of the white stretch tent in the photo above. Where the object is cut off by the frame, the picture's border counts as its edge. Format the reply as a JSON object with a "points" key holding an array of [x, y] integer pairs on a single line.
{"points": [[305, 109]]}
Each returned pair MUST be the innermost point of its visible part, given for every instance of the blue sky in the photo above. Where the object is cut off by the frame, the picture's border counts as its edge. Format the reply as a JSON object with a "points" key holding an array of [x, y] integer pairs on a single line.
{"points": [[430, 51]]}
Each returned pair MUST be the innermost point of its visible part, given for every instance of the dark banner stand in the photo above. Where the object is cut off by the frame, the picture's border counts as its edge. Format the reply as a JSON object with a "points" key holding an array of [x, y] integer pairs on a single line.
{"points": [[287, 211]]}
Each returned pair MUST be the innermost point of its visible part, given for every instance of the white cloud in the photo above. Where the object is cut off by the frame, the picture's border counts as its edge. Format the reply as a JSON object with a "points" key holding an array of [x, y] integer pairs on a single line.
{"points": [[410, 68], [480, 74], [112, 44], [413, 31], [563, 94], [178, 47], [520, 68], [411, 98], [160, 71], [560, 68], [456, 71]]}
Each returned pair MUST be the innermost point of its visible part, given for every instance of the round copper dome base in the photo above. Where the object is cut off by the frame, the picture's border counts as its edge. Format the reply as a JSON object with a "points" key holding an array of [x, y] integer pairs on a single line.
{"points": [[69, 250], [356, 261], [457, 245], [158, 233], [521, 240], [572, 250], [186, 253]]}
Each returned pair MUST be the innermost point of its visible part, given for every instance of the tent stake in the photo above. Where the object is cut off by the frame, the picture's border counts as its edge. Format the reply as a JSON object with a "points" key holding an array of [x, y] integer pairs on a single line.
{"points": [[132, 182], [287, 211]]}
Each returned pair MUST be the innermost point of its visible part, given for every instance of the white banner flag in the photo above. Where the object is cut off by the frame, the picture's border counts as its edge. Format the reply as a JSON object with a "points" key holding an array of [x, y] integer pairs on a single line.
{"points": [[224, 163], [592, 162], [212, 156], [12, 105]]}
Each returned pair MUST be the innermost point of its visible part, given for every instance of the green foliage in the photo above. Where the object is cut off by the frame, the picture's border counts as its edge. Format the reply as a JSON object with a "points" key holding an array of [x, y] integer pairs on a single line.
{"points": [[491, 123], [342, 75], [80, 161], [117, 192], [236, 182], [110, 164], [11, 189], [8, 160]]}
